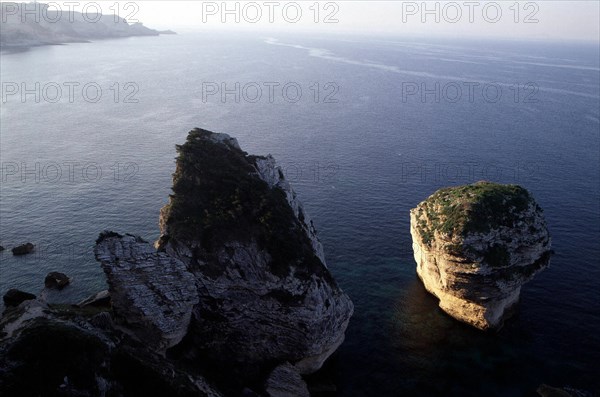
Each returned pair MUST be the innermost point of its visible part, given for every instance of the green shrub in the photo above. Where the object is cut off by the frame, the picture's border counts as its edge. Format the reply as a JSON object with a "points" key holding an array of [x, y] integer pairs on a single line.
{"points": [[479, 207]]}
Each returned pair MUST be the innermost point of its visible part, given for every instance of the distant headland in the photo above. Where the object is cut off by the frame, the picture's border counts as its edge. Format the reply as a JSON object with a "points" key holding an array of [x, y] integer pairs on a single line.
{"points": [[36, 24]]}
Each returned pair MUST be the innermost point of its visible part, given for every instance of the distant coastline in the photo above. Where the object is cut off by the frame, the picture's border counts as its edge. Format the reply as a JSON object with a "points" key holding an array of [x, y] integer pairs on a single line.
{"points": [[23, 28]]}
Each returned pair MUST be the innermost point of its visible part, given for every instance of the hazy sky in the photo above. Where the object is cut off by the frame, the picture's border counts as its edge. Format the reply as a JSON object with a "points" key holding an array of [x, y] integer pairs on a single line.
{"points": [[535, 20]]}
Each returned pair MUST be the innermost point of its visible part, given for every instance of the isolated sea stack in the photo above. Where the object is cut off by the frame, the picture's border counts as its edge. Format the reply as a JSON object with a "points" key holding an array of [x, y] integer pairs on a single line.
{"points": [[476, 245]]}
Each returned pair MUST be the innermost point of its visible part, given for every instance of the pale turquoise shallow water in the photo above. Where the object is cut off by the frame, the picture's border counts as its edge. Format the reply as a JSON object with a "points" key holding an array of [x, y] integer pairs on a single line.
{"points": [[359, 165]]}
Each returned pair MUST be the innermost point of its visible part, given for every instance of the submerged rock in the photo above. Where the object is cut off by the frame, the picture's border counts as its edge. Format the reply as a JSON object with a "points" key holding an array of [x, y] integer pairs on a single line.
{"points": [[23, 249], [1, 248], [15, 297], [476, 245], [56, 280], [265, 292]]}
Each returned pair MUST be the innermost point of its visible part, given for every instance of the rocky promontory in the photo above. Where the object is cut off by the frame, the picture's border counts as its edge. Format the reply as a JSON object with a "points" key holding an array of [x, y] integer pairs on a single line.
{"points": [[234, 299], [476, 245], [36, 24], [266, 294]]}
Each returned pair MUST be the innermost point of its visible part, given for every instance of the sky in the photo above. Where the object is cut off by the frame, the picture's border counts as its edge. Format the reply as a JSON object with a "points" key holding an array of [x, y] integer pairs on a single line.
{"points": [[521, 20]]}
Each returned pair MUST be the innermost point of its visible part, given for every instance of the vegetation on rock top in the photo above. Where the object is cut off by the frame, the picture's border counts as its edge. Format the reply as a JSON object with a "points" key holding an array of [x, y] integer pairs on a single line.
{"points": [[475, 208], [218, 198]]}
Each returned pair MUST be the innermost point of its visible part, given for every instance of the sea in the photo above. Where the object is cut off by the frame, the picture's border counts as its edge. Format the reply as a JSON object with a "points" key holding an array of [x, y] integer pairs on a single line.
{"points": [[364, 128]]}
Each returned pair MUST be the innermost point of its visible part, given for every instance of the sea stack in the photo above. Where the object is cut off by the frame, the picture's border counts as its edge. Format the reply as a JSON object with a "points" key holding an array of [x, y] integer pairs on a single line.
{"points": [[265, 293], [476, 245], [238, 275]]}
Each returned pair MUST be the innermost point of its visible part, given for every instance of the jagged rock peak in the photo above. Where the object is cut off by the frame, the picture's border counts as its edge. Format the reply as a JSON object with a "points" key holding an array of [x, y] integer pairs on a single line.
{"points": [[216, 137], [476, 245], [221, 192]]}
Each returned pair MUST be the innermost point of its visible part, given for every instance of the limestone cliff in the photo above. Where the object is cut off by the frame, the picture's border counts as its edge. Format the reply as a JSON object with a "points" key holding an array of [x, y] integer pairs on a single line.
{"points": [[476, 245], [265, 292], [235, 299], [152, 294], [35, 24]]}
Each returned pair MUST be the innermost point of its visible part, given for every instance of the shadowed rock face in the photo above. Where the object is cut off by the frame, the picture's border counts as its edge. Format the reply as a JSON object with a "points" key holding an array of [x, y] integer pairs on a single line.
{"points": [[265, 292], [476, 245], [51, 351], [152, 294], [238, 276], [15, 297], [284, 381], [238, 282]]}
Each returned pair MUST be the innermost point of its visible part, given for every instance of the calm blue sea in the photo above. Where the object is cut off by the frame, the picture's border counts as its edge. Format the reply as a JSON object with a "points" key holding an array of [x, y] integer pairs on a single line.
{"points": [[379, 125]]}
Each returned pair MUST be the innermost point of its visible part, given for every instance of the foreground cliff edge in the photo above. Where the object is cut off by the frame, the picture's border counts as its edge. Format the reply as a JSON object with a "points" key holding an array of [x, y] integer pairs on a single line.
{"points": [[476, 245], [234, 298]]}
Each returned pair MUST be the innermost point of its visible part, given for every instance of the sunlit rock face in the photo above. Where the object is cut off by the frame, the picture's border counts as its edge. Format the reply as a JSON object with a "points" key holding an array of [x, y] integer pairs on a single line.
{"points": [[265, 292], [476, 245]]}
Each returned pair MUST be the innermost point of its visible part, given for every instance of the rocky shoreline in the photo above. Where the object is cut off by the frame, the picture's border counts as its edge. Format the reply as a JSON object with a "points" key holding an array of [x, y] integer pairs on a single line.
{"points": [[234, 299], [26, 25]]}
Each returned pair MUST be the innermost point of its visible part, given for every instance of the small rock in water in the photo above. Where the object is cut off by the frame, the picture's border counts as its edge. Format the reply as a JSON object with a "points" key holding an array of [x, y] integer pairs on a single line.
{"points": [[1, 248], [24, 249], [56, 280], [15, 297]]}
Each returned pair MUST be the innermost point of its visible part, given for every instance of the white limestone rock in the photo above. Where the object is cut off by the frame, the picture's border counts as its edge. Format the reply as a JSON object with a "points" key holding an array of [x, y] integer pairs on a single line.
{"points": [[152, 294], [271, 173], [265, 293], [475, 246]]}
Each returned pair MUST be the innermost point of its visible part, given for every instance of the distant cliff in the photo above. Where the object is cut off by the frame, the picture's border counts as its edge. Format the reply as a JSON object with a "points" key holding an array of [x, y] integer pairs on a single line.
{"points": [[476, 245], [35, 24]]}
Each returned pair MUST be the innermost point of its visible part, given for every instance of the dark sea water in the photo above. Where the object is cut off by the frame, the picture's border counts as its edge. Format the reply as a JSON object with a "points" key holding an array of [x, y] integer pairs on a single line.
{"points": [[359, 163]]}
